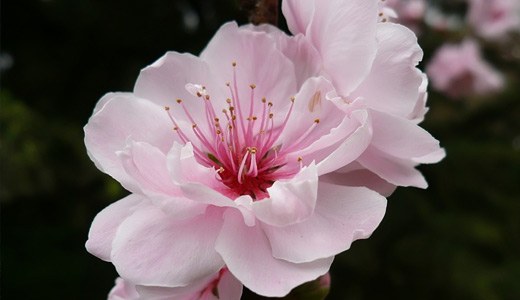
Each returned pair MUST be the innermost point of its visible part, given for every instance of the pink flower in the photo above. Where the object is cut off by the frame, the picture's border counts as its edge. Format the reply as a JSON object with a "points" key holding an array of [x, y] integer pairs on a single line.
{"points": [[219, 286], [460, 71], [374, 63], [493, 19], [228, 174], [257, 155]]}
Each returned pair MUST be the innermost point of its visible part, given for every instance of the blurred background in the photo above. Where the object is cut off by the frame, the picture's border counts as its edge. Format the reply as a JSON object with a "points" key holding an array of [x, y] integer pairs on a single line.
{"points": [[459, 239]]}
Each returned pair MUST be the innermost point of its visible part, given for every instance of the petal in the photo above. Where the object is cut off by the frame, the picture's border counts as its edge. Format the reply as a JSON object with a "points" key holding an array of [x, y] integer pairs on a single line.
{"points": [[121, 117], [123, 290], [248, 256], [355, 174], [400, 137], [344, 33], [258, 61], [189, 292], [229, 287], [289, 201], [165, 80], [393, 83], [348, 150], [397, 171], [105, 224], [343, 214], [298, 14], [147, 166], [150, 248]]}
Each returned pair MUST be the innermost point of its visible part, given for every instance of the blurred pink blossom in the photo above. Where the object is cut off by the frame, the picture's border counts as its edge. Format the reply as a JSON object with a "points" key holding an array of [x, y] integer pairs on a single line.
{"points": [[459, 71], [409, 13], [493, 19], [219, 286]]}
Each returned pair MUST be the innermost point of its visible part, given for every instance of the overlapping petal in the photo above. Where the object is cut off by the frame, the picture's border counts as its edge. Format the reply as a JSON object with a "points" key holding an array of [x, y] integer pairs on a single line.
{"points": [[183, 250], [342, 215], [255, 265]]}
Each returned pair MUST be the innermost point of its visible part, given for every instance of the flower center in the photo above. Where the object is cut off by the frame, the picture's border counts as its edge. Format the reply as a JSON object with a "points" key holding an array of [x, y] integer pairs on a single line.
{"points": [[239, 144]]}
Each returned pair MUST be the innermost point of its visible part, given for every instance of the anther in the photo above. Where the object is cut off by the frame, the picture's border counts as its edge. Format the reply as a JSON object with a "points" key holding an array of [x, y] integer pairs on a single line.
{"points": [[300, 159], [217, 120], [384, 20], [271, 115], [179, 100], [264, 100], [253, 85], [292, 99], [194, 125], [254, 118], [317, 121], [227, 83], [253, 150], [207, 97], [199, 94], [228, 101], [175, 128], [270, 103], [234, 64], [166, 108]]}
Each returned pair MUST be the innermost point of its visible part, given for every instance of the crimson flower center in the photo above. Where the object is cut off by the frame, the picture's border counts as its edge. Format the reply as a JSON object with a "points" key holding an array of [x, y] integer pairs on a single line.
{"points": [[238, 144]]}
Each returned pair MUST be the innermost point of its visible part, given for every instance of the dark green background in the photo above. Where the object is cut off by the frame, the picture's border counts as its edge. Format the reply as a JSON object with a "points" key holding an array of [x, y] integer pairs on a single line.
{"points": [[459, 239]]}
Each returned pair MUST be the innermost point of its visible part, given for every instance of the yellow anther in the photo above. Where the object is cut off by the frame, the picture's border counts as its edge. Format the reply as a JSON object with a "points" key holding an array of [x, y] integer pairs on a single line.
{"points": [[217, 119], [231, 108], [194, 125], [175, 128], [264, 100], [270, 103], [384, 20], [218, 131], [227, 83], [292, 99], [228, 100], [275, 148], [380, 14], [179, 100], [221, 170], [316, 120], [207, 97], [234, 117], [262, 131], [234, 64], [249, 118], [271, 115], [252, 85], [253, 150], [166, 108], [199, 94], [300, 159], [203, 87], [254, 118], [224, 111]]}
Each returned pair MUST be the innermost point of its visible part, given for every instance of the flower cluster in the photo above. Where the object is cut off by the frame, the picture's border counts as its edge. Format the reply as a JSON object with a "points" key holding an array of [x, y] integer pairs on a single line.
{"points": [[257, 162], [458, 69]]}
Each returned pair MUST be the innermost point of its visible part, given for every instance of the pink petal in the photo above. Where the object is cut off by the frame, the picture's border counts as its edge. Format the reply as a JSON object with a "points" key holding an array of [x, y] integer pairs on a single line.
{"points": [[105, 224], [229, 288], [147, 165], [354, 174], [400, 137], [344, 33], [298, 14], [255, 54], [123, 290], [151, 248], [397, 171], [348, 150], [121, 117], [393, 83], [342, 215], [289, 201], [248, 256], [164, 81]]}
